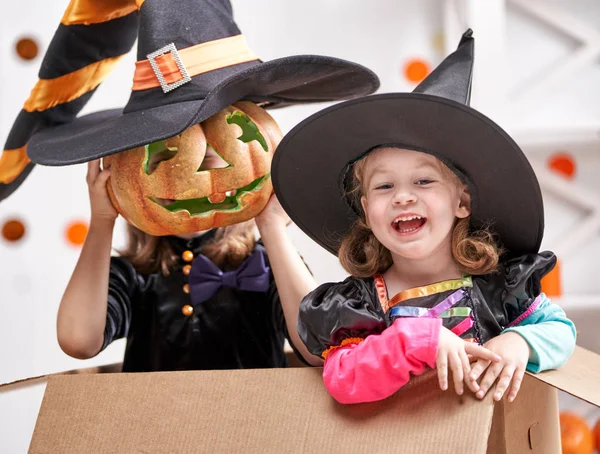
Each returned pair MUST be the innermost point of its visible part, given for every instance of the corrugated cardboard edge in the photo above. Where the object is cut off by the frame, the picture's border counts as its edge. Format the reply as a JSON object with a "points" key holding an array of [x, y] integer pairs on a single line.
{"points": [[30, 381], [580, 377], [293, 361]]}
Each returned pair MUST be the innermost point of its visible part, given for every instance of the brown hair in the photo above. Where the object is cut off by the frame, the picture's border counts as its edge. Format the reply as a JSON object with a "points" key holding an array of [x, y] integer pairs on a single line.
{"points": [[150, 254], [362, 255]]}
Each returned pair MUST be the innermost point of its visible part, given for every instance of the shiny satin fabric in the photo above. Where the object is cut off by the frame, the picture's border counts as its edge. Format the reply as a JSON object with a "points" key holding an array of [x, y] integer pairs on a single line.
{"points": [[351, 309]]}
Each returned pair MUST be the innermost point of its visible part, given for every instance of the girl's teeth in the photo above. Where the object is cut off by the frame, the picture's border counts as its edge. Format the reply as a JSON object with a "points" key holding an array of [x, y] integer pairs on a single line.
{"points": [[407, 218], [231, 193]]}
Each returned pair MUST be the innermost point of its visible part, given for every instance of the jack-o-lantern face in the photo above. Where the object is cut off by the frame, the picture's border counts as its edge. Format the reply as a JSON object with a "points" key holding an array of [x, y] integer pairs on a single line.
{"points": [[213, 174]]}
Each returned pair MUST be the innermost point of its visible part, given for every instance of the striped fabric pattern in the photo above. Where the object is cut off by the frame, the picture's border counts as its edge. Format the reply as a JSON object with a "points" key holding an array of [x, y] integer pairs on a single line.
{"points": [[92, 37]]}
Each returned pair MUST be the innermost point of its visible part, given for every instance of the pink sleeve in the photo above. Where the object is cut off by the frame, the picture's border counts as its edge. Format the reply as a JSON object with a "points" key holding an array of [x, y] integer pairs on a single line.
{"points": [[381, 364]]}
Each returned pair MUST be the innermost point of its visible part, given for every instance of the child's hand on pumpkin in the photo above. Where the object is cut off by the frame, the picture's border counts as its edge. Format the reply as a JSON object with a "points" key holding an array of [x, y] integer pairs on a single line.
{"points": [[514, 351], [272, 214], [101, 206], [453, 353]]}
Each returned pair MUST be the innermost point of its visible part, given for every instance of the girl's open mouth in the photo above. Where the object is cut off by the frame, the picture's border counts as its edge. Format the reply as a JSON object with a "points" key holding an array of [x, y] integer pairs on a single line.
{"points": [[408, 224]]}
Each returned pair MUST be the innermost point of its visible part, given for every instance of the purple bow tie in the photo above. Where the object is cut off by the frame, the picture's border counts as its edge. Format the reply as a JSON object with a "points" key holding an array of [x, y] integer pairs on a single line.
{"points": [[206, 278]]}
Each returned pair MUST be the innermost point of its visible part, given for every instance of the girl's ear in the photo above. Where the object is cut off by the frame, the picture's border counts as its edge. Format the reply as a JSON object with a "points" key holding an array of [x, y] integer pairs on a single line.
{"points": [[363, 202], [464, 205]]}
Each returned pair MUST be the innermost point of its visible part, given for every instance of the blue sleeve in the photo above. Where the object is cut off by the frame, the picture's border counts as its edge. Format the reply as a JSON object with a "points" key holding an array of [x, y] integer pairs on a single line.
{"points": [[550, 335]]}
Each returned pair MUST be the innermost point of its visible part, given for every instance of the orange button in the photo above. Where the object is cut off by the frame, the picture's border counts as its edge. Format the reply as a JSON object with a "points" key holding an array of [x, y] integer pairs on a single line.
{"points": [[187, 310], [186, 270], [188, 256], [186, 288]]}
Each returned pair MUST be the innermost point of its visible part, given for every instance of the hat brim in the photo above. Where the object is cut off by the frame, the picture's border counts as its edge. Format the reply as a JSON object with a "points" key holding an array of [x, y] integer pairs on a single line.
{"points": [[284, 81], [309, 166]]}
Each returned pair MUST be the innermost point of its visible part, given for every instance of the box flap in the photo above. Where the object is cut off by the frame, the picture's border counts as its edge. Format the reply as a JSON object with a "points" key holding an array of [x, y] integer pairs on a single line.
{"points": [[108, 368], [580, 377], [271, 410]]}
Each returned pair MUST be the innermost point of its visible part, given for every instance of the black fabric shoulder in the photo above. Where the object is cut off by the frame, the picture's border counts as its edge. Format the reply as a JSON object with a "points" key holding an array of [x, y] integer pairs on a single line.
{"points": [[123, 286], [517, 284], [337, 311], [523, 275]]}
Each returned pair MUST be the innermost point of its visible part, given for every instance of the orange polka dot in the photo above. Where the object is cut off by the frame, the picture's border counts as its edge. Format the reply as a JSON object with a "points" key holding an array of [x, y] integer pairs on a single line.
{"points": [[26, 48], [562, 163], [416, 70], [76, 232], [13, 230]]}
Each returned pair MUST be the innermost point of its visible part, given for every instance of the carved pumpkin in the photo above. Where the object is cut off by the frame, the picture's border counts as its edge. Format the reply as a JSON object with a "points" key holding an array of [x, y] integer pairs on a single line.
{"points": [[169, 188]]}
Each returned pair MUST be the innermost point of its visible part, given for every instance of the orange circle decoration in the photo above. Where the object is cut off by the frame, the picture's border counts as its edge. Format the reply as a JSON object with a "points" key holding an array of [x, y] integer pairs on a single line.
{"points": [[27, 48], [551, 282], [416, 70], [563, 163], [13, 230], [76, 232], [575, 434]]}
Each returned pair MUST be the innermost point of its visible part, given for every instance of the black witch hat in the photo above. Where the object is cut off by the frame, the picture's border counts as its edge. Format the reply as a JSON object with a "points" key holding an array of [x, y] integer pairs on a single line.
{"points": [[192, 62], [311, 167]]}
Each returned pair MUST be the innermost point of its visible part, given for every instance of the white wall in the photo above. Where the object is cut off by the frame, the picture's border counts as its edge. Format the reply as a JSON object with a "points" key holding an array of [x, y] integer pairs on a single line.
{"points": [[381, 34]]}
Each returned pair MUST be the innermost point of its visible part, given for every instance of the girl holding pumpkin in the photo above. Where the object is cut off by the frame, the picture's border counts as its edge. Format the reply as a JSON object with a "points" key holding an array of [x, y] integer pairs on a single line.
{"points": [[167, 294], [409, 195], [189, 153]]}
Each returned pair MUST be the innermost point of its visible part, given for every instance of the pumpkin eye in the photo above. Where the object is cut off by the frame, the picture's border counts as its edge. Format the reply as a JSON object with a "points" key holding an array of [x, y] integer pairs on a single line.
{"points": [[157, 152], [250, 131], [212, 160]]}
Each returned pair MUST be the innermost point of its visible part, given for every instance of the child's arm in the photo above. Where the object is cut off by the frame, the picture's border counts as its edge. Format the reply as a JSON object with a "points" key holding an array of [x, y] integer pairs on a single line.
{"points": [[550, 335], [292, 278], [376, 367], [82, 312], [543, 339]]}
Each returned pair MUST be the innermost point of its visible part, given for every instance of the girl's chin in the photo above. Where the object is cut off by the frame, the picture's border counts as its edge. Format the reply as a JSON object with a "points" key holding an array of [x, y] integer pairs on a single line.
{"points": [[412, 255], [189, 236]]}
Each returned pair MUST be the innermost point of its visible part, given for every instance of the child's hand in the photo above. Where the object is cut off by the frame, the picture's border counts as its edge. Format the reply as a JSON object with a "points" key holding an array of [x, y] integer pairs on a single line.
{"points": [[514, 351], [272, 213], [101, 206], [453, 353]]}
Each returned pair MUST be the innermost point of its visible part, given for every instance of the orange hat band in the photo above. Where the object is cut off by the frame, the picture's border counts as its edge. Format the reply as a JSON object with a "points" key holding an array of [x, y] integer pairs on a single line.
{"points": [[170, 68], [12, 163]]}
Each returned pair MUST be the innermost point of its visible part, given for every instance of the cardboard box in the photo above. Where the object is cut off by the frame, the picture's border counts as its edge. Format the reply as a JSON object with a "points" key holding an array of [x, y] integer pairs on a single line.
{"points": [[289, 410]]}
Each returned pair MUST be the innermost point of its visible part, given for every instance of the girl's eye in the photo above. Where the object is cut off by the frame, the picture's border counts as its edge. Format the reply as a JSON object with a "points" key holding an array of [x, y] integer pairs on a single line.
{"points": [[423, 182], [383, 186]]}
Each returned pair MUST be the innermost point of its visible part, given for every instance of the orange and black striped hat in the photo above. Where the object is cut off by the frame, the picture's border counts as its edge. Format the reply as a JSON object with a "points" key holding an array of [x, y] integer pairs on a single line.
{"points": [[91, 38], [192, 62]]}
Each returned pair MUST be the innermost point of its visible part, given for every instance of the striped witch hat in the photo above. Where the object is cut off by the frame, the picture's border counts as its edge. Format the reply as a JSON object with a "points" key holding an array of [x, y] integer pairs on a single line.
{"points": [[91, 38], [192, 62]]}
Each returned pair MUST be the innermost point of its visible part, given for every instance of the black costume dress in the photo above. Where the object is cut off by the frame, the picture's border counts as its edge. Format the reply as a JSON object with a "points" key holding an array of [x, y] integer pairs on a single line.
{"points": [[234, 329], [476, 308]]}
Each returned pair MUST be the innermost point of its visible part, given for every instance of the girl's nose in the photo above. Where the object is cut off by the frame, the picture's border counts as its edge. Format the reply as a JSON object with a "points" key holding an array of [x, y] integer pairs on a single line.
{"points": [[404, 197]]}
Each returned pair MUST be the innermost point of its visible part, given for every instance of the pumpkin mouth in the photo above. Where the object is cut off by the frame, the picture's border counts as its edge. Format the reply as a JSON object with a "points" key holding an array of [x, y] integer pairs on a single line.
{"points": [[228, 201]]}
